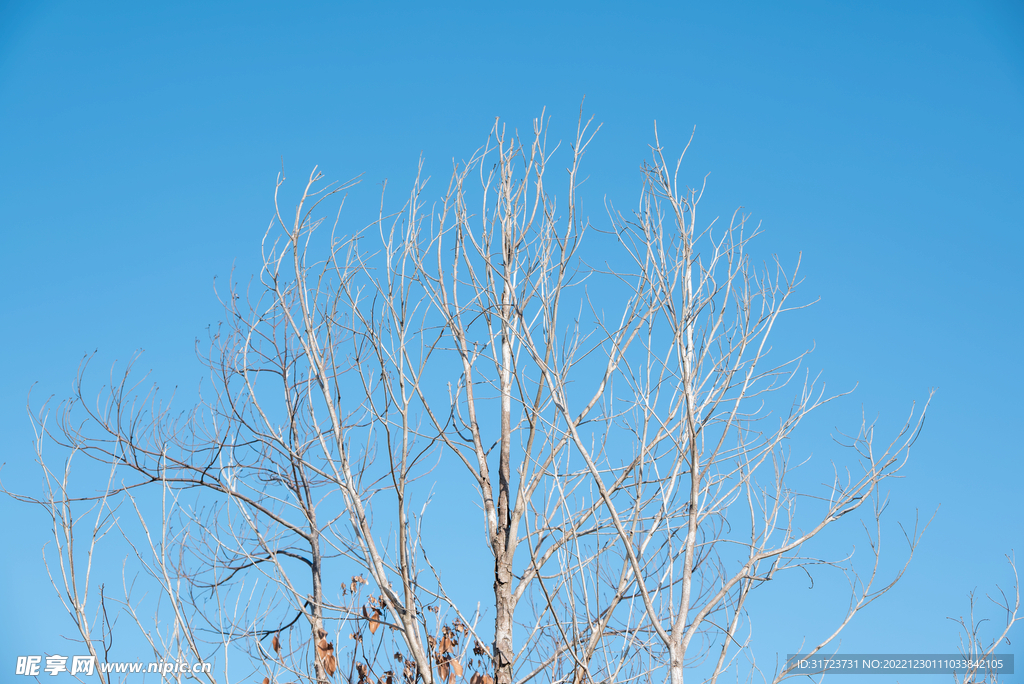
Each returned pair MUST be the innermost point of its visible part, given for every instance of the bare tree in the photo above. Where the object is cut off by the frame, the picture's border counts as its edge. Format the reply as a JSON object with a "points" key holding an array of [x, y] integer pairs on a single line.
{"points": [[617, 409], [974, 649]]}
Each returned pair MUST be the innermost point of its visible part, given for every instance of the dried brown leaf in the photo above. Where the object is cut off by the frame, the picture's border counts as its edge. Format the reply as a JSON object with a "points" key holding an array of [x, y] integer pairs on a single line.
{"points": [[374, 621], [325, 653], [330, 665], [276, 643]]}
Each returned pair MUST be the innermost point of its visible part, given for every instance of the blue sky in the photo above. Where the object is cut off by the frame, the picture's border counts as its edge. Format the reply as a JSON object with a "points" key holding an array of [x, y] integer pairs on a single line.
{"points": [[884, 141]]}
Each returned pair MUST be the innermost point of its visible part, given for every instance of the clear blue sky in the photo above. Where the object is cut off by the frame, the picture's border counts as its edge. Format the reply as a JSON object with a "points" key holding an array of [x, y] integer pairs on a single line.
{"points": [[140, 142]]}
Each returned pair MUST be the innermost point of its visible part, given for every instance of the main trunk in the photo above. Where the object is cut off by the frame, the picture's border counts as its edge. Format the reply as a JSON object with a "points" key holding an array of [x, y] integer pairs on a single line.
{"points": [[675, 664], [317, 607], [504, 608], [504, 543]]}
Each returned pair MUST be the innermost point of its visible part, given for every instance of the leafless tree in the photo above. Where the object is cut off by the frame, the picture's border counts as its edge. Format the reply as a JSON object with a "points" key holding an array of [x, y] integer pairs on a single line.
{"points": [[617, 409], [974, 649]]}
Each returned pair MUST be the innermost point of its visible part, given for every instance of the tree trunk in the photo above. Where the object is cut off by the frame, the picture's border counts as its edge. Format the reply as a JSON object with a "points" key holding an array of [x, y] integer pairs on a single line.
{"points": [[675, 663], [504, 609], [504, 541], [317, 607]]}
